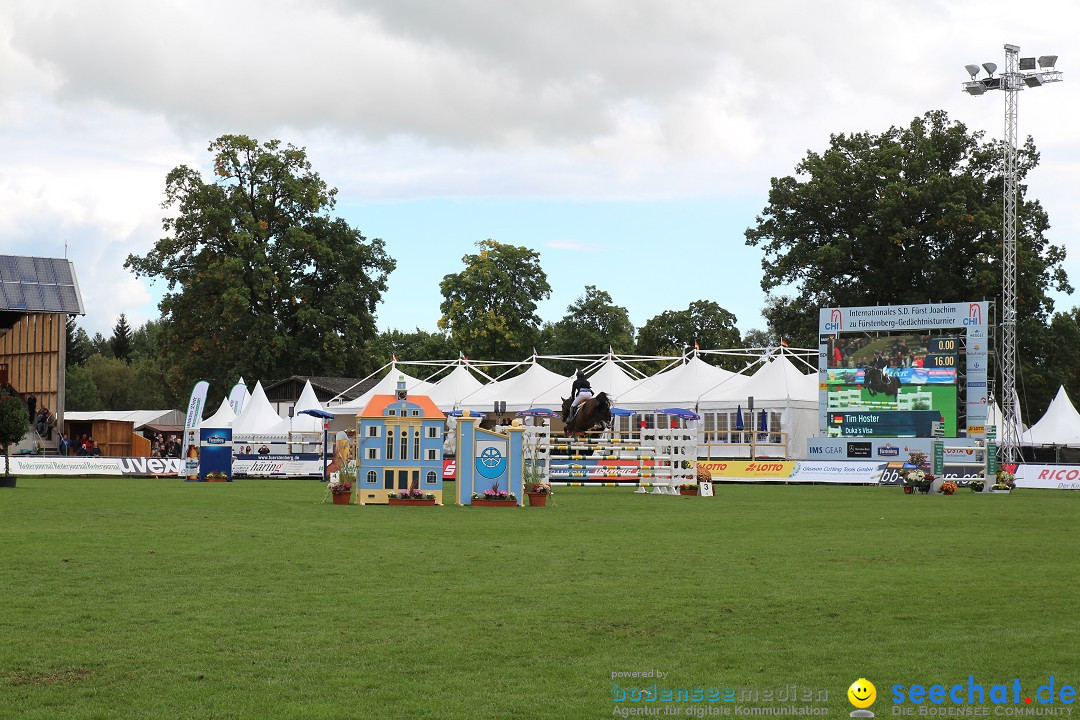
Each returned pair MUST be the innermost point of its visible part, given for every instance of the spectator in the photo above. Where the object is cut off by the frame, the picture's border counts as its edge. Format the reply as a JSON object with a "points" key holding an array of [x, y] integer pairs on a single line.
{"points": [[64, 445], [41, 421]]}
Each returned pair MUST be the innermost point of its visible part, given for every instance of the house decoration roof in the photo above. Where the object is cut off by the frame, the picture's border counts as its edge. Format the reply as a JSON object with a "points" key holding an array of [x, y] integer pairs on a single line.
{"points": [[376, 407]]}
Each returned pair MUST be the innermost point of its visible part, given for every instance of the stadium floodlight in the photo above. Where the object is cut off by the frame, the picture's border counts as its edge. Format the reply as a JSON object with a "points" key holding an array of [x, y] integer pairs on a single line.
{"points": [[1018, 74], [973, 70]]}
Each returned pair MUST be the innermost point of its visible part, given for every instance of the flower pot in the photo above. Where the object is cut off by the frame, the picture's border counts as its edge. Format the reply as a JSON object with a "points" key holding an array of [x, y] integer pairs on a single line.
{"points": [[342, 498], [688, 492], [538, 499], [495, 503], [947, 492], [411, 501], [1002, 492], [908, 490]]}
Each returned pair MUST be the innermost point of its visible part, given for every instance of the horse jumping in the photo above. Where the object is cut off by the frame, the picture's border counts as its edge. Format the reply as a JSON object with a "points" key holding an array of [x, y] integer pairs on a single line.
{"points": [[593, 413], [879, 381]]}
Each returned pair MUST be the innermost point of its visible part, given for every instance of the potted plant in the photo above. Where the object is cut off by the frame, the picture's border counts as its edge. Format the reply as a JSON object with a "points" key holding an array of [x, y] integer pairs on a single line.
{"points": [[535, 487], [217, 477], [412, 496], [340, 490], [13, 424], [916, 478], [948, 487], [494, 497], [688, 489], [977, 485], [1005, 482], [538, 493]]}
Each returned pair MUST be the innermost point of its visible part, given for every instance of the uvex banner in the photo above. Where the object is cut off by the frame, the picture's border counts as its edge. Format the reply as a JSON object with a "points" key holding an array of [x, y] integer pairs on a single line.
{"points": [[93, 466]]}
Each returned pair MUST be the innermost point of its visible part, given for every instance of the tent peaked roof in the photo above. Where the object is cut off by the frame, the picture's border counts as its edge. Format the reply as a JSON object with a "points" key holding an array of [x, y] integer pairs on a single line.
{"points": [[307, 401], [1059, 426], [258, 415], [775, 382], [457, 387], [388, 386], [537, 386], [223, 418], [682, 385], [612, 379]]}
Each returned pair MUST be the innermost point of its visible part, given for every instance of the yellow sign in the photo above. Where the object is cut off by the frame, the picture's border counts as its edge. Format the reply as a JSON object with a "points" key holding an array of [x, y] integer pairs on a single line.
{"points": [[748, 468], [976, 429]]}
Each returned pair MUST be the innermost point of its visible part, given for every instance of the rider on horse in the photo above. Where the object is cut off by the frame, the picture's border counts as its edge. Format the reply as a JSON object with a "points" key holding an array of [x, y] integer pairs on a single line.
{"points": [[580, 391]]}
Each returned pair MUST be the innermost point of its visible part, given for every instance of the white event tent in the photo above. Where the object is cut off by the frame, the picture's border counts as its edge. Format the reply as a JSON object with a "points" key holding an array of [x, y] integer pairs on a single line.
{"points": [[456, 388], [536, 387], [223, 418], [386, 386], [259, 418], [1060, 425]]}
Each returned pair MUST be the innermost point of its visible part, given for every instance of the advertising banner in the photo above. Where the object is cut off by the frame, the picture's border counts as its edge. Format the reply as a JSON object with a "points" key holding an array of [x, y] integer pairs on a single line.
{"points": [[215, 454], [194, 414], [863, 473], [277, 465], [755, 470], [41, 465], [1052, 477]]}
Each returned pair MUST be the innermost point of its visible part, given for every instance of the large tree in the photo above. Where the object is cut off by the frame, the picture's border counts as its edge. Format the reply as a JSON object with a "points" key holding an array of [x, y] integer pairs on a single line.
{"points": [[120, 342], [703, 324], [489, 308], [910, 215], [78, 343], [593, 325], [262, 281]]}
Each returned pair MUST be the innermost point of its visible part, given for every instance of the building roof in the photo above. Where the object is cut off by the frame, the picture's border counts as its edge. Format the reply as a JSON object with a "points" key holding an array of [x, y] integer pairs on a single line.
{"points": [[325, 387], [33, 284], [138, 417], [376, 407]]}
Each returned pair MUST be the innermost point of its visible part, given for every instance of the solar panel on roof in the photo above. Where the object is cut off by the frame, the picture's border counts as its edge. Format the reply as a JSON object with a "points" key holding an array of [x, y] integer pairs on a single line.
{"points": [[33, 284]]}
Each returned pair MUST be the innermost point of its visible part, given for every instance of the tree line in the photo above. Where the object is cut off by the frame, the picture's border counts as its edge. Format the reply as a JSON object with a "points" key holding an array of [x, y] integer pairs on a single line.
{"points": [[263, 282]]}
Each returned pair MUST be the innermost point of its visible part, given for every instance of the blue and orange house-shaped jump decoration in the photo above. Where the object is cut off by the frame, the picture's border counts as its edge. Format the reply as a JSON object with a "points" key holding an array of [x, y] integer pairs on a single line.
{"points": [[399, 442]]}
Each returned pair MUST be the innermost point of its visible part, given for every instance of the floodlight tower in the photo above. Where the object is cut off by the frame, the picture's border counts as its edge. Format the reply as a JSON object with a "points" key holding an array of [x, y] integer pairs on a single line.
{"points": [[1019, 73]]}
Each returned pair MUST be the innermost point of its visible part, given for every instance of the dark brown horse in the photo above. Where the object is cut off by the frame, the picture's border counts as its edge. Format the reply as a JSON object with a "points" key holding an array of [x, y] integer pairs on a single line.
{"points": [[594, 412]]}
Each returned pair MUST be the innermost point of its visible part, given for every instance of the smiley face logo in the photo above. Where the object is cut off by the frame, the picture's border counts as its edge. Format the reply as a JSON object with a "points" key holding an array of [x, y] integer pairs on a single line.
{"points": [[862, 693]]}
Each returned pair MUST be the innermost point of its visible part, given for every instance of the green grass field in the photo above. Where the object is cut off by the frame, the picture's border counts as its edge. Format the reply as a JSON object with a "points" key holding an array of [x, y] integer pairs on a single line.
{"points": [[144, 598]]}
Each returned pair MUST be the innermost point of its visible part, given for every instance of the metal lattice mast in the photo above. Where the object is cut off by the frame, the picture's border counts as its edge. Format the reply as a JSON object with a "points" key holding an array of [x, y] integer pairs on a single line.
{"points": [[1010, 442], [1019, 73]]}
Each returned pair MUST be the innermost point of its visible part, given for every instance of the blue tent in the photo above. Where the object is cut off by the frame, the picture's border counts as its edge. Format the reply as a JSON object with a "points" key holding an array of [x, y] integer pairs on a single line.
{"points": [[619, 412]]}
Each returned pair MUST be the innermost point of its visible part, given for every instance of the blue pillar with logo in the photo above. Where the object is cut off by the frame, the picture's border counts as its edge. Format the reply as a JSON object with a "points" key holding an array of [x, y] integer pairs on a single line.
{"points": [[485, 458]]}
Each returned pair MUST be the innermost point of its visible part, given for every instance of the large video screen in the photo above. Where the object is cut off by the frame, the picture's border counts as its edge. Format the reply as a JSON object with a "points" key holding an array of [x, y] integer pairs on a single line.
{"points": [[892, 386]]}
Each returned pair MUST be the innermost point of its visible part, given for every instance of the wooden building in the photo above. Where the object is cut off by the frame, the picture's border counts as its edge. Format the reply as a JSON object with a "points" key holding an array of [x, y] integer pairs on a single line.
{"points": [[36, 297]]}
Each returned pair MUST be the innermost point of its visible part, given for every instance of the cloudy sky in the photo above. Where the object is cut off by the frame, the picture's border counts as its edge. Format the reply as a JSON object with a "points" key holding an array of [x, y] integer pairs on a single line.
{"points": [[630, 143]]}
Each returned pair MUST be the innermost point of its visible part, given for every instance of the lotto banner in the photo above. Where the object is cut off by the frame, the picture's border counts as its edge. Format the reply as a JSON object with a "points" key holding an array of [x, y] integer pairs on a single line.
{"points": [[756, 470]]}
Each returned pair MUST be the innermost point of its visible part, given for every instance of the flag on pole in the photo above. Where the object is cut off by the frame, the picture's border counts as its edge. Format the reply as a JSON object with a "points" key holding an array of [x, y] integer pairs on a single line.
{"points": [[194, 412], [738, 419], [783, 342], [393, 358]]}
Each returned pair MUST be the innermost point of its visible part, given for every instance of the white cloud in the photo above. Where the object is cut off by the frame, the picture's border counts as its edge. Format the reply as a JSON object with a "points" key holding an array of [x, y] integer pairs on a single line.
{"points": [[406, 99]]}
